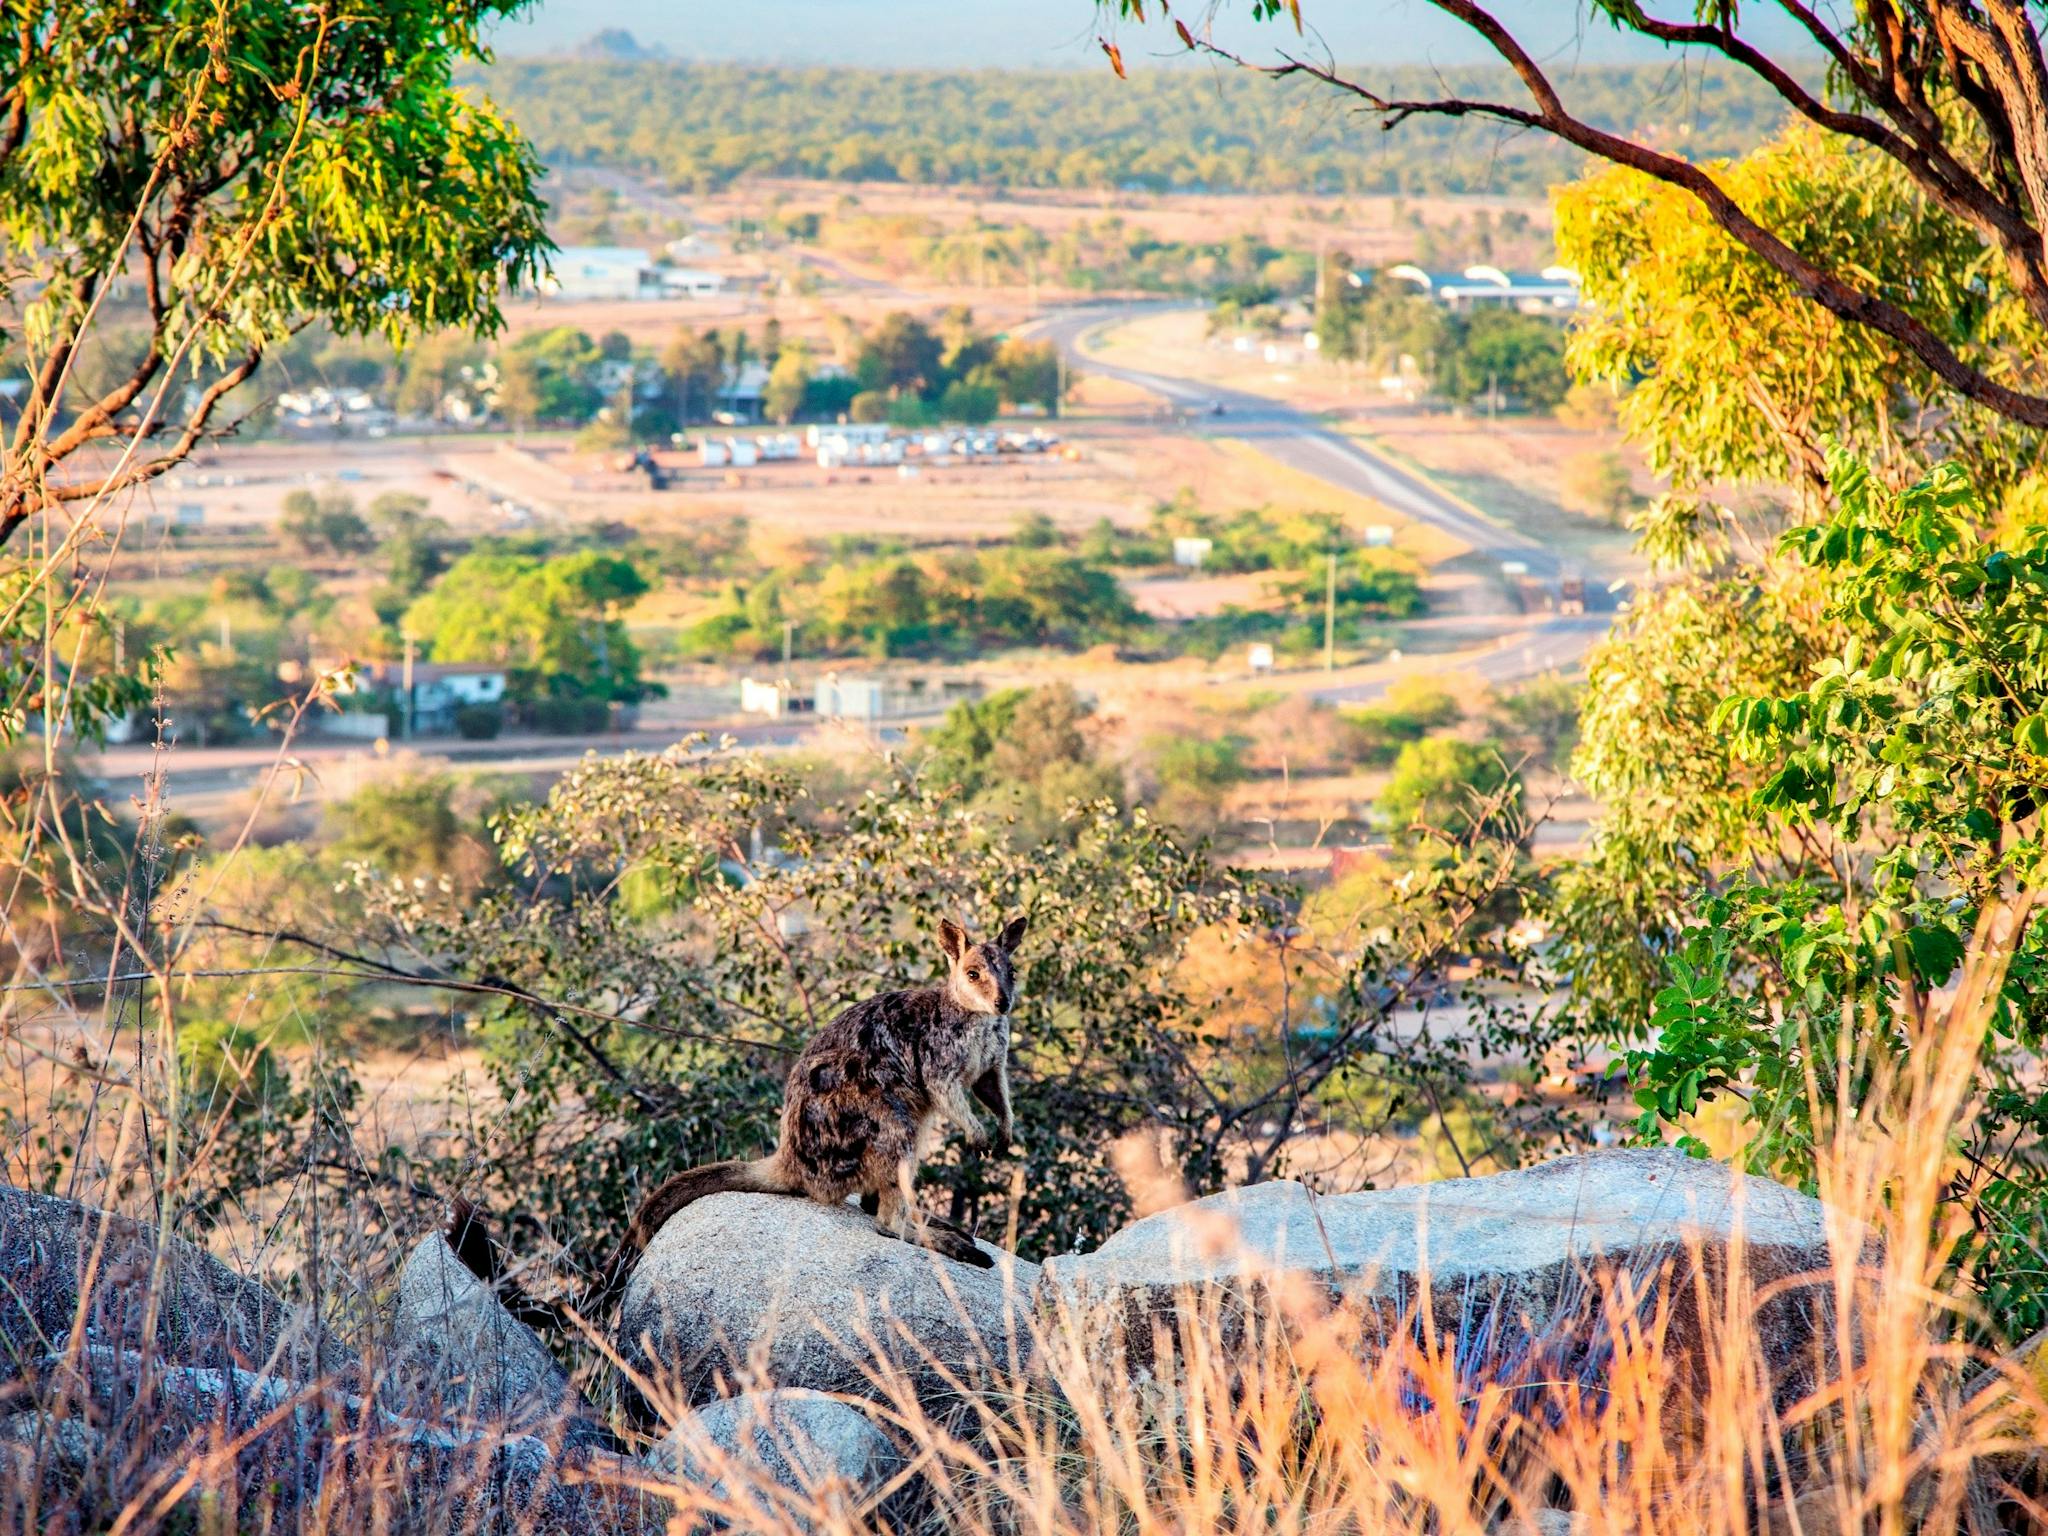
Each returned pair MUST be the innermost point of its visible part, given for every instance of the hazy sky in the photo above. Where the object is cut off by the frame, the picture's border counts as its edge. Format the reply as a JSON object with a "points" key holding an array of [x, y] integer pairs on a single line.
{"points": [[1050, 33]]}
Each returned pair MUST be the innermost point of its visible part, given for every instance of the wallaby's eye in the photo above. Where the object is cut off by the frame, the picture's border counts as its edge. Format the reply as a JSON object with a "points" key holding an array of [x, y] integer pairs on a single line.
{"points": [[973, 973]]}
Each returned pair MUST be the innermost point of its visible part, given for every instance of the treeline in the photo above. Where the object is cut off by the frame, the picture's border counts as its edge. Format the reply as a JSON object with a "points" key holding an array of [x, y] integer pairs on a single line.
{"points": [[1042, 587], [1104, 255], [893, 601], [903, 369], [699, 126]]}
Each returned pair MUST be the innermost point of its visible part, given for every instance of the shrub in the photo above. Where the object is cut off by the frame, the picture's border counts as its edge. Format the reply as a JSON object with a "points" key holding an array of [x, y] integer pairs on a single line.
{"points": [[1413, 707], [479, 722], [1443, 786]]}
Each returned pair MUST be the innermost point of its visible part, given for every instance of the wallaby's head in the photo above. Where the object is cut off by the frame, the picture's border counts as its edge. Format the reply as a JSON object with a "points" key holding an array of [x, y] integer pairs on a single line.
{"points": [[982, 979]]}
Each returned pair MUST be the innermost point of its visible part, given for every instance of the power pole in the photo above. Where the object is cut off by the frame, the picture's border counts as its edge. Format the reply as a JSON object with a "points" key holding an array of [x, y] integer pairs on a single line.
{"points": [[1330, 617], [405, 687], [788, 644]]}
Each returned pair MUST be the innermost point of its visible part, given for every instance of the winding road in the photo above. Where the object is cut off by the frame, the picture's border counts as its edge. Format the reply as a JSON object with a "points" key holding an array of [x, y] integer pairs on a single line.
{"points": [[1301, 442]]}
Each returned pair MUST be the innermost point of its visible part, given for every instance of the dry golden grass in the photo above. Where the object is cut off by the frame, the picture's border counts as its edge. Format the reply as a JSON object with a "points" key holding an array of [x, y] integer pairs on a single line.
{"points": [[1277, 1410]]}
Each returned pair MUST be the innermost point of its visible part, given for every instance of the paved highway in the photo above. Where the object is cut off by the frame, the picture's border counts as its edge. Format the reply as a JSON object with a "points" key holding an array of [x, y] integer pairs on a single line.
{"points": [[215, 783], [1301, 442]]}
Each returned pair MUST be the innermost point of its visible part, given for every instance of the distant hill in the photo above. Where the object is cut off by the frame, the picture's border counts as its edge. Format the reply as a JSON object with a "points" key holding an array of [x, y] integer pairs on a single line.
{"points": [[616, 44], [701, 125]]}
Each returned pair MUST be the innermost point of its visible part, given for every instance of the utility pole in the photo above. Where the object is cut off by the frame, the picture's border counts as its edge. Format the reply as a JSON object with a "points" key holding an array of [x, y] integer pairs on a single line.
{"points": [[227, 634], [788, 644], [1330, 616], [405, 687]]}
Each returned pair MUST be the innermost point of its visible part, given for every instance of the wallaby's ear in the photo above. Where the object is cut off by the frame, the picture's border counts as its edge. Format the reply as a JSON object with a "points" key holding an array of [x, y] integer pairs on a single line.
{"points": [[1011, 936], [952, 938]]}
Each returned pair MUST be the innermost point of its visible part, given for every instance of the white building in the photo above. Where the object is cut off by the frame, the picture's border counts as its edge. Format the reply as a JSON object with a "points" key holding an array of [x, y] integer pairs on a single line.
{"points": [[774, 700], [439, 689], [689, 282], [1554, 288], [602, 272], [851, 698]]}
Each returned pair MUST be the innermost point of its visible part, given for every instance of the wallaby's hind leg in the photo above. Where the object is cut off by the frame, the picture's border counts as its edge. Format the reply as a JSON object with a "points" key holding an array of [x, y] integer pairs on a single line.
{"points": [[896, 1217]]}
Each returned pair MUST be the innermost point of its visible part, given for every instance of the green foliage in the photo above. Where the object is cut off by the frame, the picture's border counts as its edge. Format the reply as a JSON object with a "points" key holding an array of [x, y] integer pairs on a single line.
{"points": [[327, 523], [266, 112], [702, 125], [1400, 323], [788, 387], [1193, 775], [553, 621], [1733, 376], [1919, 740], [1444, 790], [1412, 709], [411, 541], [1024, 756], [934, 604], [688, 968], [959, 749], [404, 827], [557, 374], [1372, 585], [1340, 328], [1541, 717], [1248, 539], [1520, 356]]}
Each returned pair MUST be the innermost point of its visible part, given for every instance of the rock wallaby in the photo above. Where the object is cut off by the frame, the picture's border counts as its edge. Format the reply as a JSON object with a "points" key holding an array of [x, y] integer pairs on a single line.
{"points": [[862, 1107]]}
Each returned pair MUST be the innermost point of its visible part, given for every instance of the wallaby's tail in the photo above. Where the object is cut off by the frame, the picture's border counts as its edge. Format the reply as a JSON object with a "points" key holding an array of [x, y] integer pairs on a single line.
{"points": [[470, 1238], [763, 1176]]}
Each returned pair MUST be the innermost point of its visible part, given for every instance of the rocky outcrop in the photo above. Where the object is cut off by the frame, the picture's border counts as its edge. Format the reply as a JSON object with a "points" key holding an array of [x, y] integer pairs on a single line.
{"points": [[202, 1314], [109, 1422], [184, 1366], [812, 1296], [458, 1356], [1521, 1264], [805, 1454]]}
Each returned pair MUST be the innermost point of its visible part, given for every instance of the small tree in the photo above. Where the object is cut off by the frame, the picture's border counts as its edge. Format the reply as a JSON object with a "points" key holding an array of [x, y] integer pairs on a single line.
{"points": [[789, 381], [231, 173], [1340, 312], [327, 523], [1443, 789]]}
